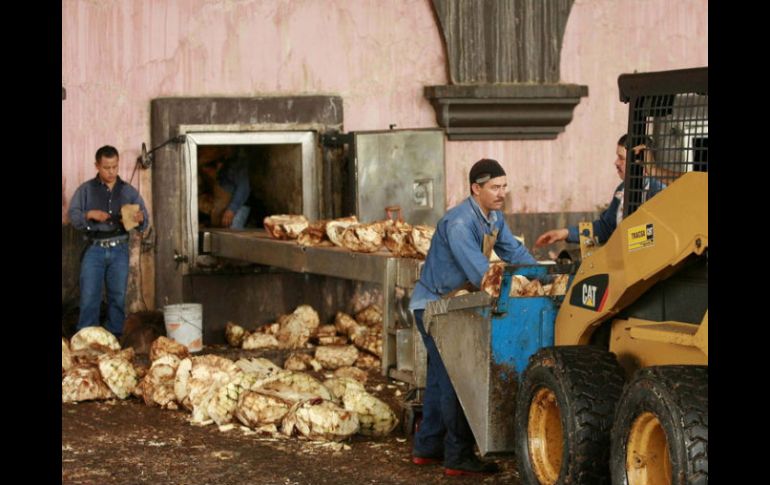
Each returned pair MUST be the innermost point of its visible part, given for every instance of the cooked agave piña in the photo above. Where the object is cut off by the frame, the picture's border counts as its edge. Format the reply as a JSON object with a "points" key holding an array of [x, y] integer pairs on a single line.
{"points": [[94, 338], [234, 334], [335, 356], [165, 346], [352, 372], [141, 372], [118, 373], [296, 329], [533, 288], [518, 284], [376, 417], [270, 328], [369, 339], [336, 340], [182, 383], [336, 228], [314, 235], [363, 238], [208, 373], [222, 406], [370, 316], [421, 236], [285, 226], [298, 382], [366, 360], [66, 356], [320, 419], [259, 340], [257, 408], [260, 366], [344, 323], [559, 286], [398, 240], [338, 386], [83, 383], [492, 279], [325, 331], [301, 361], [158, 384]]}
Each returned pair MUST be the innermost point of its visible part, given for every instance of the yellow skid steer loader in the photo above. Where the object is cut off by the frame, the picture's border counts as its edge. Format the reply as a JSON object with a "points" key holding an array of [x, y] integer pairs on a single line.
{"points": [[622, 397]]}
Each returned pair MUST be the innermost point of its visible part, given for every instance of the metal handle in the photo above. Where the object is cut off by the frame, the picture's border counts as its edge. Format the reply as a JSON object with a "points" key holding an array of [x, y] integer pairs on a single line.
{"points": [[179, 259], [393, 209]]}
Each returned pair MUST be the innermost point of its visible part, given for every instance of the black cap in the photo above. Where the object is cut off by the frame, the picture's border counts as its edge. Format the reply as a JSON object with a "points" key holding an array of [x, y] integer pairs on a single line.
{"points": [[484, 170]]}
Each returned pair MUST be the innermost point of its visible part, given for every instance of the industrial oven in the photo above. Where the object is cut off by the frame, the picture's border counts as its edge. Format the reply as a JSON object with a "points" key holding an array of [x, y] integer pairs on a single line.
{"points": [[300, 162]]}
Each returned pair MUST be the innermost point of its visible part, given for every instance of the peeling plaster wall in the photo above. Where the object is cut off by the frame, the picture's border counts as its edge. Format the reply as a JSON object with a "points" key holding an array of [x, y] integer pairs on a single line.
{"points": [[118, 55]]}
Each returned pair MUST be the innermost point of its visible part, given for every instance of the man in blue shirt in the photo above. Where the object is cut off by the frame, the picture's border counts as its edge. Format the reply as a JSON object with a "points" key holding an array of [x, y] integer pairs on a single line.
{"points": [[459, 256], [232, 176], [95, 209], [609, 219]]}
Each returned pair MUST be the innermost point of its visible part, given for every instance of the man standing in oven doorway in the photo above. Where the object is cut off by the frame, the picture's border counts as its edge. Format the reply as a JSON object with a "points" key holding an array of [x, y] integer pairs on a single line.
{"points": [[459, 254], [99, 209], [227, 179]]}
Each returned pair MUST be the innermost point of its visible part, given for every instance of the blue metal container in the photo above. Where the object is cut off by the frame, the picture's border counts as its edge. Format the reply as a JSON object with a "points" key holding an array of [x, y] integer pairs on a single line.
{"points": [[485, 344]]}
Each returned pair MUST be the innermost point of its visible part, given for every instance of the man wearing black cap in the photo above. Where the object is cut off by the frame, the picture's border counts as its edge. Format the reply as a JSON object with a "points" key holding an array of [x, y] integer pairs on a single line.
{"points": [[459, 256]]}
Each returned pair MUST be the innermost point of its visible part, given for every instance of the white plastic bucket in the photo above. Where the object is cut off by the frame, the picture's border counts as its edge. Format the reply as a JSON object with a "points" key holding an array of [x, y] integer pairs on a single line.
{"points": [[184, 324]]}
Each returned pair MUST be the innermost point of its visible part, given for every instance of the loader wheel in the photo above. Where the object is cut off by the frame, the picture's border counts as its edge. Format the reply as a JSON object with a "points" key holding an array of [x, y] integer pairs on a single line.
{"points": [[660, 434], [564, 411]]}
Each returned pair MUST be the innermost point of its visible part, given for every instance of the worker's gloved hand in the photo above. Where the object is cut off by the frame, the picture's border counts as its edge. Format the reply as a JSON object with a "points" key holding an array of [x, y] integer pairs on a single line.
{"points": [[550, 237]]}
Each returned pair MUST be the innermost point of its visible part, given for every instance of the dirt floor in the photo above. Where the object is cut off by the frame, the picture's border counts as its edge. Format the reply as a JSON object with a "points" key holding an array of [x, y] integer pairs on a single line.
{"points": [[127, 442]]}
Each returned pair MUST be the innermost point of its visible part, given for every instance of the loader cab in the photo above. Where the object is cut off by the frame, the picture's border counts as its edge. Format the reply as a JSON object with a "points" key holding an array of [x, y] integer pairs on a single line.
{"points": [[674, 130]]}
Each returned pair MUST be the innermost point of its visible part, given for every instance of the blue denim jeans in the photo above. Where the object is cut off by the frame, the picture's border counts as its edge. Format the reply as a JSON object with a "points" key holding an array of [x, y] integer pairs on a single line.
{"points": [[444, 430], [99, 266]]}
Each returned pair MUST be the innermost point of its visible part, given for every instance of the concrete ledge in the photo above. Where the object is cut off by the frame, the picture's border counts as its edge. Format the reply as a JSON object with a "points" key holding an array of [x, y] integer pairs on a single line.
{"points": [[504, 112]]}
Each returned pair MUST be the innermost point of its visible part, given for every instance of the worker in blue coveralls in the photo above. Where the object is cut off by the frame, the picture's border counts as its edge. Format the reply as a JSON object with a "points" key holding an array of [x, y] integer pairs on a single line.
{"points": [[96, 211], [609, 219], [459, 255]]}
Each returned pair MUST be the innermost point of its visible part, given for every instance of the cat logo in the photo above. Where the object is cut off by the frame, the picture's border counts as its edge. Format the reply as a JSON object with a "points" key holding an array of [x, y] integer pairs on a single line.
{"points": [[589, 295]]}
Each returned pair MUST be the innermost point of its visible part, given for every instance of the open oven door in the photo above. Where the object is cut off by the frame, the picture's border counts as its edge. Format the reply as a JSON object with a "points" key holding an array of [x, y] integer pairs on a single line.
{"points": [[403, 168]]}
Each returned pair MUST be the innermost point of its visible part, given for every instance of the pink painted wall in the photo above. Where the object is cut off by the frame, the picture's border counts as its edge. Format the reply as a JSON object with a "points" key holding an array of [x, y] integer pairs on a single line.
{"points": [[117, 56], [377, 55]]}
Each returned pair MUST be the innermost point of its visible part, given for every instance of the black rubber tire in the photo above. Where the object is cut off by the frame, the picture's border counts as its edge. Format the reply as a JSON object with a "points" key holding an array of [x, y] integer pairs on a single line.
{"points": [[677, 396], [586, 382]]}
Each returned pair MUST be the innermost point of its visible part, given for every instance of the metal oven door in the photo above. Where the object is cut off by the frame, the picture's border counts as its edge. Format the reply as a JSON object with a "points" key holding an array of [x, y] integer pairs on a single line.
{"points": [[402, 168]]}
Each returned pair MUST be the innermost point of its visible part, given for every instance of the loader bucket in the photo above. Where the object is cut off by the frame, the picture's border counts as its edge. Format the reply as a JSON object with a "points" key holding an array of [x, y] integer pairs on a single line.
{"points": [[485, 344]]}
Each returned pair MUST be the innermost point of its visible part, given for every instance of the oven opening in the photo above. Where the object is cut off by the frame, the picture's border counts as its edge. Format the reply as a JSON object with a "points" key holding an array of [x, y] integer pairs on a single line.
{"points": [[250, 182], [236, 179]]}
